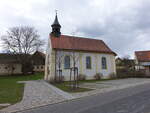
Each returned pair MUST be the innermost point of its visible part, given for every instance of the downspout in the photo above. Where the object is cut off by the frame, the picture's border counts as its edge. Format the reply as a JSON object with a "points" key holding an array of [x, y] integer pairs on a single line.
{"points": [[55, 65]]}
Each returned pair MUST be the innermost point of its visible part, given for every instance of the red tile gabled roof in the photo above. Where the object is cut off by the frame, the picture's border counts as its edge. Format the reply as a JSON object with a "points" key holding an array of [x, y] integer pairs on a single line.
{"points": [[80, 44], [143, 56], [39, 53]]}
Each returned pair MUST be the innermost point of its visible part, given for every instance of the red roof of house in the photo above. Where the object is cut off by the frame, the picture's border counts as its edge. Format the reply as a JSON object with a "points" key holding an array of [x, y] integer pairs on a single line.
{"points": [[39, 53], [80, 44], [143, 56]]}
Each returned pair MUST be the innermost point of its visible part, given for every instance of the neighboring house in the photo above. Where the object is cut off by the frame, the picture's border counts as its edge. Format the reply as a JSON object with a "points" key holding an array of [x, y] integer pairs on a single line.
{"points": [[38, 60], [91, 56], [118, 60], [119, 63], [122, 63], [9, 64], [142, 59]]}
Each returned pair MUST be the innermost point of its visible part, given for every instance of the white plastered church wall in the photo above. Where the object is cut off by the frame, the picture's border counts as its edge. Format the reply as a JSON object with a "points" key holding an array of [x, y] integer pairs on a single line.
{"points": [[96, 64]]}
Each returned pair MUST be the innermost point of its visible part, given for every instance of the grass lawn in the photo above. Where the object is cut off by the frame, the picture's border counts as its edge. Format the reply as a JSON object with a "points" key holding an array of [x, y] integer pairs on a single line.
{"points": [[91, 81], [11, 91], [65, 87]]}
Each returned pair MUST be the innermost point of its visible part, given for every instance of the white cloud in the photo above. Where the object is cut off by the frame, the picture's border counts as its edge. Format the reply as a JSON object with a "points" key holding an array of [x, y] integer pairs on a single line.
{"points": [[123, 24]]}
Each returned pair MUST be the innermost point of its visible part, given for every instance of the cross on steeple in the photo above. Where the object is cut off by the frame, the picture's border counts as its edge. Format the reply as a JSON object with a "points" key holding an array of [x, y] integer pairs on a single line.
{"points": [[56, 11]]}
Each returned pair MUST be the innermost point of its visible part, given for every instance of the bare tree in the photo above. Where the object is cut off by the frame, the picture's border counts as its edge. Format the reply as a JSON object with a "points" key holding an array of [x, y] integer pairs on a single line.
{"points": [[128, 63], [22, 40], [59, 60], [75, 57]]}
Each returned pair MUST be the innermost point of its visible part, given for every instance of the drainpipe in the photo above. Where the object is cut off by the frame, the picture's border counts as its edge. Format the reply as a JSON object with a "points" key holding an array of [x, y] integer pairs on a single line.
{"points": [[55, 65]]}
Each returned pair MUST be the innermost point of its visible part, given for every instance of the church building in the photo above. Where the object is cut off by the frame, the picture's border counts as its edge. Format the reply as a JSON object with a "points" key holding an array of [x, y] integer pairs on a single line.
{"points": [[89, 56]]}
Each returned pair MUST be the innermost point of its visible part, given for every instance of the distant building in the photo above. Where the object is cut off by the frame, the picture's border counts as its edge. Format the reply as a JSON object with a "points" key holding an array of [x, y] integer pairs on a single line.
{"points": [[91, 56], [122, 63], [10, 63], [38, 60], [119, 64], [142, 59], [118, 61]]}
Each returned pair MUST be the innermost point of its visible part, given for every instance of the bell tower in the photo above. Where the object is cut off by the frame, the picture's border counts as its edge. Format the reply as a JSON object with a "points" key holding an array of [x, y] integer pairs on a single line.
{"points": [[56, 27]]}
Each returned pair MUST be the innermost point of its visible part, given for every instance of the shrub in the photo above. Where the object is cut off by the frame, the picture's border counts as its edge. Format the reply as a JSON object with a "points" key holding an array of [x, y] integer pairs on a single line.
{"points": [[81, 77], [112, 75], [59, 79], [98, 76]]}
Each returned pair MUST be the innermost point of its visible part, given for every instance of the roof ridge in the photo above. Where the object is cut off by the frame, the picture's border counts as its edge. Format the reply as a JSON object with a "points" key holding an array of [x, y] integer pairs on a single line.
{"points": [[82, 37]]}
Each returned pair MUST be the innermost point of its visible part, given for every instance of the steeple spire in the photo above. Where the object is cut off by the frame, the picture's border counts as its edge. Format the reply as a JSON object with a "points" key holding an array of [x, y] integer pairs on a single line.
{"points": [[56, 27]]}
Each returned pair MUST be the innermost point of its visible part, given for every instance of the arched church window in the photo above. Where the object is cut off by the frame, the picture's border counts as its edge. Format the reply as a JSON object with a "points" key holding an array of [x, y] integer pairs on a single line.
{"points": [[104, 63], [67, 62]]}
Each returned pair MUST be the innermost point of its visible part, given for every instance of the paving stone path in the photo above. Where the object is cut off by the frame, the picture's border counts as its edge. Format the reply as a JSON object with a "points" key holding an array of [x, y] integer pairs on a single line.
{"points": [[36, 93], [40, 93], [106, 86]]}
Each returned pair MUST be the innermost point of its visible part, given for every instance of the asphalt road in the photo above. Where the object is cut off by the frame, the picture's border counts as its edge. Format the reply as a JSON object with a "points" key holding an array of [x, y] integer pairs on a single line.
{"points": [[130, 100]]}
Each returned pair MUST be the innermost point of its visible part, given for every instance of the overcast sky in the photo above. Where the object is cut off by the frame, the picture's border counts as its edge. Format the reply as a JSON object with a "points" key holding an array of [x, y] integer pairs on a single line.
{"points": [[123, 24]]}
